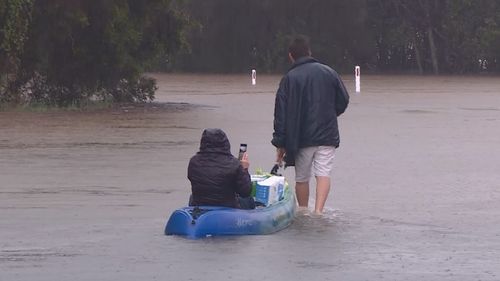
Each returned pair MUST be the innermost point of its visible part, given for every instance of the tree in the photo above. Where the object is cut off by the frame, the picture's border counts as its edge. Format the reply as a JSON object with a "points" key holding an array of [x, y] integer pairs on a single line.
{"points": [[236, 35], [423, 36], [471, 35], [14, 22], [81, 50]]}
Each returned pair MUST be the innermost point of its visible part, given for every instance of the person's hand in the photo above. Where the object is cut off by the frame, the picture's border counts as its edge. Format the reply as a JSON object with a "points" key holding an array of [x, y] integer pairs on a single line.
{"points": [[244, 161], [280, 154]]}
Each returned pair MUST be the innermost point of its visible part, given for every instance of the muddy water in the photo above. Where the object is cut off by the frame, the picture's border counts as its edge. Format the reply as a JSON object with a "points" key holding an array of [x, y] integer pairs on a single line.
{"points": [[85, 196]]}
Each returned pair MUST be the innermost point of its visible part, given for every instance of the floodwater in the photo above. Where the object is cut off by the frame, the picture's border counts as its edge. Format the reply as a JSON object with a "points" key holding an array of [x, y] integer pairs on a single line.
{"points": [[416, 194]]}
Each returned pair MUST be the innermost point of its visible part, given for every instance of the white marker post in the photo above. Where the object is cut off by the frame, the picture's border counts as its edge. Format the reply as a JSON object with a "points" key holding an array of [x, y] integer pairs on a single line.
{"points": [[254, 77], [358, 78]]}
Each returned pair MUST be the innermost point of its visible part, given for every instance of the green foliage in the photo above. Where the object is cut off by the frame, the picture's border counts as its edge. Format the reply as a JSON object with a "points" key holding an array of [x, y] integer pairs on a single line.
{"points": [[426, 36], [468, 27], [72, 52], [83, 50], [14, 23], [237, 35]]}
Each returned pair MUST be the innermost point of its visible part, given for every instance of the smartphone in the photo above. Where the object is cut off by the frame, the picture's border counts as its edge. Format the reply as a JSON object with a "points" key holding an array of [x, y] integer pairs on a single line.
{"points": [[243, 149]]}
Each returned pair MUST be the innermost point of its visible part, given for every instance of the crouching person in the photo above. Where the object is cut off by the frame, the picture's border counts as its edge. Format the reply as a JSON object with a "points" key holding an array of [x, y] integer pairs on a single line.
{"points": [[217, 177]]}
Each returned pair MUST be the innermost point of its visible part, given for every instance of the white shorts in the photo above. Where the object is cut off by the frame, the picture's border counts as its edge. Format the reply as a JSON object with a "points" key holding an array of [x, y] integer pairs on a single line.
{"points": [[315, 159]]}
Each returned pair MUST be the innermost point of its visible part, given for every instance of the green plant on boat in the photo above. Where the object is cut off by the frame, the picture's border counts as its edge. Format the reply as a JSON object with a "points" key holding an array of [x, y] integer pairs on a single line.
{"points": [[260, 172]]}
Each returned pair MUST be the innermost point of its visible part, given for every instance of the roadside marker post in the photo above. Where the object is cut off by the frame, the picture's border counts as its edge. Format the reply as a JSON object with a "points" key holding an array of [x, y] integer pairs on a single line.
{"points": [[357, 75]]}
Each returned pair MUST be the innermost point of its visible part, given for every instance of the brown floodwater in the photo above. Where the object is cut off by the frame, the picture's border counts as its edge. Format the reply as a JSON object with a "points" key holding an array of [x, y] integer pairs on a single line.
{"points": [[416, 187]]}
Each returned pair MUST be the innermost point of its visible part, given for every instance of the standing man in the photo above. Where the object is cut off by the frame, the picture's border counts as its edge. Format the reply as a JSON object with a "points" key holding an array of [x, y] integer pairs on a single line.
{"points": [[309, 99]]}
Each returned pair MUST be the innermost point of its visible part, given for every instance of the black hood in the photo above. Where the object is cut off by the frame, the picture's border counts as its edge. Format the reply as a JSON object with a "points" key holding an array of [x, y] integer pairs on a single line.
{"points": [[216, 176], [214, 140]]}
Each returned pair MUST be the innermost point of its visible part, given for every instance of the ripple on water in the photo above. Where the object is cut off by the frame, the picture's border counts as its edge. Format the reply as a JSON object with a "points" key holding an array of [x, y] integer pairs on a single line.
{"points": [[307, 220]]}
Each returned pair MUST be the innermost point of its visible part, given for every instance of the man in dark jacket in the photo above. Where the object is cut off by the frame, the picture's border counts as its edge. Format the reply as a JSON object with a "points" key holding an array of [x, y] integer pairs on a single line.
{"points": [[217, 177], [309, 99]]}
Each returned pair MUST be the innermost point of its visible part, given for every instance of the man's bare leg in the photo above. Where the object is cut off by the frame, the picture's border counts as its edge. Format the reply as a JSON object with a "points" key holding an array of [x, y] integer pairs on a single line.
{"points": [[322, 190], [302, 192]]}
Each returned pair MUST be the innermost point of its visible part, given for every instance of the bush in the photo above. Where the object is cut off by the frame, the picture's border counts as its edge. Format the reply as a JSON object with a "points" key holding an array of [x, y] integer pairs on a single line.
{"points": [[83, 50]]}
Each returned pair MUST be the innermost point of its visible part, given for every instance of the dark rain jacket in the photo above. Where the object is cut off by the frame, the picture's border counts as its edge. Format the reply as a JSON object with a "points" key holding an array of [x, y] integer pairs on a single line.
{"points": [[216, 175], [309, 99]]}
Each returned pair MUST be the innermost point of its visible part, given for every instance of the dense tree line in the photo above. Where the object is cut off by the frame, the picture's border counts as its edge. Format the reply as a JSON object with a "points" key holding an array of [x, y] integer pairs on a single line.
{"points": [[66, 52], [419, 36]]}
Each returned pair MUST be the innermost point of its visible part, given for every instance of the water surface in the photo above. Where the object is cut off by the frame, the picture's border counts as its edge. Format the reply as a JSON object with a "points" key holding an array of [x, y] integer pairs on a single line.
{"points": [[85, 196]]}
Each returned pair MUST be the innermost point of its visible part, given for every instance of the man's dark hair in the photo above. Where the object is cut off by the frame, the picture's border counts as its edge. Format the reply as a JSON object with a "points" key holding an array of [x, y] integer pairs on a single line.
{"points": [[299, 47]]}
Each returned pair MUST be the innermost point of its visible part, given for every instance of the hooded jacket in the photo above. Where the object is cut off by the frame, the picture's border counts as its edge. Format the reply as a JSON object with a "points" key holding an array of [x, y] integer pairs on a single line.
{"points": [[309, 99], [216, 176]]}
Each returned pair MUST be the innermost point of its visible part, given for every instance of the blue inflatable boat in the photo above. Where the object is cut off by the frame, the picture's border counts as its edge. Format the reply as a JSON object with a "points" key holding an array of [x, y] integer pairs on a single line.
{"points": [[203, 221]]}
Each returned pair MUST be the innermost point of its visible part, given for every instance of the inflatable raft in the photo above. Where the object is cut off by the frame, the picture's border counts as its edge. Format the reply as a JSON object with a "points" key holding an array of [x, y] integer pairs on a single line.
{"points": [[203, 221]]}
